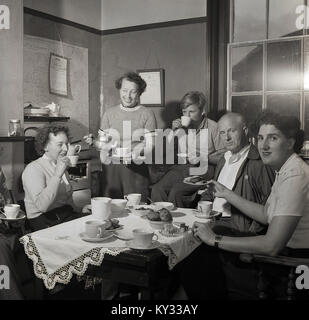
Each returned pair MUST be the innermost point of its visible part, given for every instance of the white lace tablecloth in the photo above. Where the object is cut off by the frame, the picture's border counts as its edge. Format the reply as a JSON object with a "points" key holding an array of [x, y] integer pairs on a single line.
{"points": [[59, 252]]}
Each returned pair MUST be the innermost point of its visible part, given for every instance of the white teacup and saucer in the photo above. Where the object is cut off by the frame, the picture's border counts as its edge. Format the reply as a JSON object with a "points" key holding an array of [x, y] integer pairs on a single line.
{"points": [[143, 240], [95, 231], [204, 210], [11, 212]]}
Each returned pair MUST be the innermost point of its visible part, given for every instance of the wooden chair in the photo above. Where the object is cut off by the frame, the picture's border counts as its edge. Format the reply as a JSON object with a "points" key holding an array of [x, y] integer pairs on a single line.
{"points": [[277, 263]]}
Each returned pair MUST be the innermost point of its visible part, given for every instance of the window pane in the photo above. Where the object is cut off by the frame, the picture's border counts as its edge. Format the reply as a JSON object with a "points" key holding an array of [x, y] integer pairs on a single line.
{"points": [[285, 104], [249, 20], [247, 68], [249, 107], [307, 117], [283, 65], [282, 18]]}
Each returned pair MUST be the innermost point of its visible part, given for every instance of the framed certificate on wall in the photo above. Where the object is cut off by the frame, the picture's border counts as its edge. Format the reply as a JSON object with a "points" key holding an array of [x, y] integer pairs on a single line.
{"points": [[58, 75], [153, 96]]}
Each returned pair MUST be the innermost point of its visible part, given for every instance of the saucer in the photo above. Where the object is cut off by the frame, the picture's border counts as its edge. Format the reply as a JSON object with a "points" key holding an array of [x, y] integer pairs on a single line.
{"points": [[214, 214], [124, 235], [132, 245], [88, 239], [122, 157], [21, 215]]}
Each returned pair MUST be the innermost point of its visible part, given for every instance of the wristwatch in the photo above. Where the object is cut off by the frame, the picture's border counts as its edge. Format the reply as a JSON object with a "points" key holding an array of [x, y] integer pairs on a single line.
{"points": [[218, 238]]}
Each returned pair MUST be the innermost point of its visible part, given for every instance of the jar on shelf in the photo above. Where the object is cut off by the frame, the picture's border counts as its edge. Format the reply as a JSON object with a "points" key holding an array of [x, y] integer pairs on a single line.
{"points": [[14, 128]]}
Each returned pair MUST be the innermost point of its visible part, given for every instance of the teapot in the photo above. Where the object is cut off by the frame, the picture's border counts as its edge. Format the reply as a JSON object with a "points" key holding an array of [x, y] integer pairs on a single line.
{"points": [[103, 140]]}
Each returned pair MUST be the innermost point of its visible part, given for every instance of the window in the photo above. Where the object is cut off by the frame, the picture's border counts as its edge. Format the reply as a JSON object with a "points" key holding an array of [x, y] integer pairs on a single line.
{"points": [[268, 70], [282, 17], [249, 20], [247, 68], [250, 106], [283, 65], [285, 104]]}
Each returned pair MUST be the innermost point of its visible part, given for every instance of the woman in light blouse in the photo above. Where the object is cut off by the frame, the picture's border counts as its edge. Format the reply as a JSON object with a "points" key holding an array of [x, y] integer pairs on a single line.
{"points": [[286, 213], [48, 192]]}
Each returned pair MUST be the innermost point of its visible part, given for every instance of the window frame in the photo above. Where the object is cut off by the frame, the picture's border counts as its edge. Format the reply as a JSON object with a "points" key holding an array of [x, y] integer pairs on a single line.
{"points": [[265, 42]]}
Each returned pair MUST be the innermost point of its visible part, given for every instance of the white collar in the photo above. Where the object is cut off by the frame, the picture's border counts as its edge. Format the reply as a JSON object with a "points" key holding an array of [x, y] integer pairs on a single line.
{"points": [[286, 165], [237, 156], [129, 109]]}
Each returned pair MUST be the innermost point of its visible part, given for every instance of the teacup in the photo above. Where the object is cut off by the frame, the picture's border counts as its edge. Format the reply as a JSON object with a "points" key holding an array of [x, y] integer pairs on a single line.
{"points": [[73, 160], [11, 210], [101, 208], [185, 121], [122, 152], [73, 149], [118, 205], [94, 228], [133, 198], [204, 208], [143, 238]]}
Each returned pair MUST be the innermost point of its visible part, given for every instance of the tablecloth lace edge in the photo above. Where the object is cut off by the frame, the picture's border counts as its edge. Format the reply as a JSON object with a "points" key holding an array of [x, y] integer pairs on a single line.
{"points": [[63, 275]]}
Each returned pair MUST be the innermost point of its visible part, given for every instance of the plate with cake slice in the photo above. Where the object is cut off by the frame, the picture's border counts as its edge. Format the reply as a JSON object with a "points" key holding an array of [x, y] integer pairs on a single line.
{"points": [[195, 181]]}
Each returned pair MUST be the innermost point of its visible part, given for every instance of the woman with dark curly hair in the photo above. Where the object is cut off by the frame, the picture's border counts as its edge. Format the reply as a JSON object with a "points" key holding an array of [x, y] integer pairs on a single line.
{"points": [[126, 123], [48, 192]]}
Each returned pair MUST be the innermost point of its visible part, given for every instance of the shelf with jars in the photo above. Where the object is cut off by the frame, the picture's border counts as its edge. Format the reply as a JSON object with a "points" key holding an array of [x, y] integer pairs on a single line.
{"points": [[45, 119]]}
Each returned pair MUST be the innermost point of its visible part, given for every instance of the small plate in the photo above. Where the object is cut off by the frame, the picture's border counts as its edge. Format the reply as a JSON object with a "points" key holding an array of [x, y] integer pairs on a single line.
{"points": [[86, 238], [198, 183], [124, 235], [177, 233], [21, 215], [214, 214], [132, 245], [141, 210], [162, 204]]}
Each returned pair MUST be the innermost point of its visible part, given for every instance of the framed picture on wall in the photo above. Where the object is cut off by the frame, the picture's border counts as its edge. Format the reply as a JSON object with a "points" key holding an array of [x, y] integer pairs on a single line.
{"points": [[58, 75], [153, 96]]}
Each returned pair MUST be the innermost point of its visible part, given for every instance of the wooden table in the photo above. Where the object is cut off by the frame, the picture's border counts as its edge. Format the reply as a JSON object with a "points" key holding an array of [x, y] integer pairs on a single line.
{"points": [[147, 271], [58, 253]]}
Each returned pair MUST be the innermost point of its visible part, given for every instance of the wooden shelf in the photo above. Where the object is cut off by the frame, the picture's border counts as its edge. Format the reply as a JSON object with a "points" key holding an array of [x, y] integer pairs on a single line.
{"points": [[15, 139], [45, 119]]}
